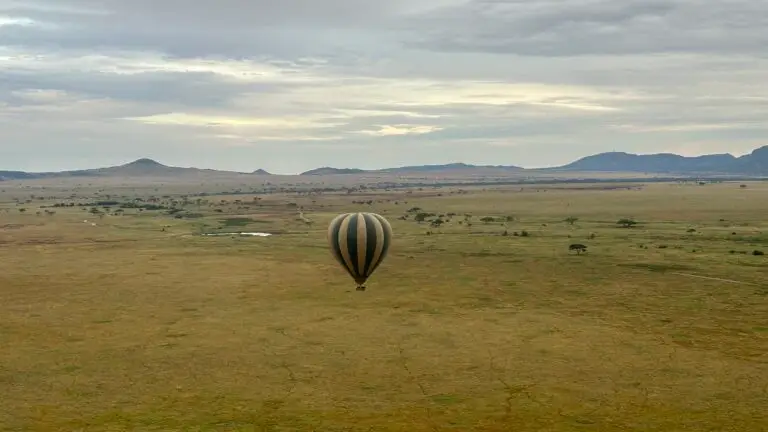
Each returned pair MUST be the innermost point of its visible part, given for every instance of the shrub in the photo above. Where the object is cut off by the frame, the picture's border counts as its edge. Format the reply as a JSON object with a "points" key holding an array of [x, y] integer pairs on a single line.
{"points": [[578, 247], [571, 220], [626, 223]]}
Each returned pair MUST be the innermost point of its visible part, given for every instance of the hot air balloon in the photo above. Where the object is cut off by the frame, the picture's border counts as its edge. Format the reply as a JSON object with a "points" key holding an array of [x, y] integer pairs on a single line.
{"points": [[359, 242]]}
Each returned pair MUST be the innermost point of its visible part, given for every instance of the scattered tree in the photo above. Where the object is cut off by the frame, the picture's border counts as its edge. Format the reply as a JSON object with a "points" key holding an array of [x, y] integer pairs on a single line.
{"points": [[570, 220], [579, 248], [421, 217], [627, 223]]}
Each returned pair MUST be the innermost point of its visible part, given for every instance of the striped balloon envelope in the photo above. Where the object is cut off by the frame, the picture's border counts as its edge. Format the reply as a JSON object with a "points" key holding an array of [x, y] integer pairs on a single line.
{"points": [[359, 242]]}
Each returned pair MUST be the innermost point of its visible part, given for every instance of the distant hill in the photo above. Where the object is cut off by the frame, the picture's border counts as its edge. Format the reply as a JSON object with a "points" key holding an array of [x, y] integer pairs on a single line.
{"points": [[661, 163], [139, 168], [145, 168], [415, 169], [15, 175], [753, 163], [332, 171], [451, 167]]}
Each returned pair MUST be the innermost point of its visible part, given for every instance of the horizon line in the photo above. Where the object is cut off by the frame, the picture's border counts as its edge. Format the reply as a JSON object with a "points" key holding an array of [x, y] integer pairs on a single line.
{"points": [[478, 165]]}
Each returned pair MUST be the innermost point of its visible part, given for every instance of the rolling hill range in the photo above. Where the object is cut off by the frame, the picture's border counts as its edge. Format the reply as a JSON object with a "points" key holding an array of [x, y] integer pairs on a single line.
{"points": [[418, 169], [138, 168], [753, 164]]}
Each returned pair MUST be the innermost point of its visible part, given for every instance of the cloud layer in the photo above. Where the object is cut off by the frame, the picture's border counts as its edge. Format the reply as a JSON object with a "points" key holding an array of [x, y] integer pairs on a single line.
{"points": [[296, 84]]}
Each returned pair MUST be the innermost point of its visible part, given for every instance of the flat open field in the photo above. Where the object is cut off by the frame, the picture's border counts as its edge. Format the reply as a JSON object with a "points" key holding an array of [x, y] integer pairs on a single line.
{"points": [[127, 319]]}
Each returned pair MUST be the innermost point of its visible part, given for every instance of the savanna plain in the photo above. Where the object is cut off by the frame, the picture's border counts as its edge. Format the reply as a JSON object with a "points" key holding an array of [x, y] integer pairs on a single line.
{"points": [[118, 314]]}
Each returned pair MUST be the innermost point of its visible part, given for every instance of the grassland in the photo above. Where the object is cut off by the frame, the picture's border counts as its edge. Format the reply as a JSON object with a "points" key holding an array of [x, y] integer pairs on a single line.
{"points": [[133, 321]]}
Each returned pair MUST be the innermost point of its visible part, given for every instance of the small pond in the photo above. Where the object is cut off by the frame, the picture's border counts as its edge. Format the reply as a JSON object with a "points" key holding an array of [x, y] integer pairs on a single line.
{"points": [[244, 234]]}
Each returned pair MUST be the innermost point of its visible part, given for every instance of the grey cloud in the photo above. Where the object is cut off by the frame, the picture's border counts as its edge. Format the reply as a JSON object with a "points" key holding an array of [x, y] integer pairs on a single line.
{"points": [[233, 28], [581, 27], [691, 63], [181, 42], [189, 89], [222, 14]]}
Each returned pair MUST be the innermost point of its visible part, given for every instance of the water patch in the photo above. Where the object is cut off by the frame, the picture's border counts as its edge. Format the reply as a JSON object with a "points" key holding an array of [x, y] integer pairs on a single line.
{"points": [[244, 234]]}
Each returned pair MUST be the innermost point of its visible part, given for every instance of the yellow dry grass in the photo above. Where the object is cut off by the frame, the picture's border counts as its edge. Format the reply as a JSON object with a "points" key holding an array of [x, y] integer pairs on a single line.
{"points": [[124, 326]]}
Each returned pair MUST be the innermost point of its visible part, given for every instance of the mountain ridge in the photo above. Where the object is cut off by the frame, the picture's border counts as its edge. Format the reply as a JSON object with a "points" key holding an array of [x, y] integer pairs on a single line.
{"points": [[754, 163], [143, 167]]}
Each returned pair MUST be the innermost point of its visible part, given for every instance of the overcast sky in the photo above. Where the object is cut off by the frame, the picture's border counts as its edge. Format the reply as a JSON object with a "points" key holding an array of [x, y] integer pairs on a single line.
{"points": [[291, 85]]}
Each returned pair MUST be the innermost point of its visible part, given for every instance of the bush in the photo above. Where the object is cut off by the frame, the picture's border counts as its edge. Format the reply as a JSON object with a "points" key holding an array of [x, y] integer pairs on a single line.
{"points": [[626, 223], [578, 247], [571, 220], [757, 253]]}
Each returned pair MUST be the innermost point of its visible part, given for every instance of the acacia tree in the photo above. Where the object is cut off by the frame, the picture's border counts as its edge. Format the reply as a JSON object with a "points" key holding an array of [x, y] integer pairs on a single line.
{"points": [[626, 222], [571, 220], [579, 248]]}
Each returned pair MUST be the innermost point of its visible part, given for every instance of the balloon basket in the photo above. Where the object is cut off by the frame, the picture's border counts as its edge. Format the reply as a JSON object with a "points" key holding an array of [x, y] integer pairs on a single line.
{"points": [[360, 288]]}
